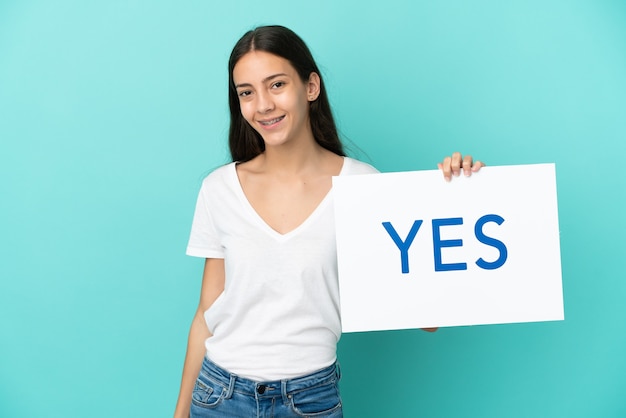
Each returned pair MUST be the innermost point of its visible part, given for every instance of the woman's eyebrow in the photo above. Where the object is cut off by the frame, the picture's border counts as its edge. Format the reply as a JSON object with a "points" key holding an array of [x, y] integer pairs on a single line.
{"points": [[265, 80]]}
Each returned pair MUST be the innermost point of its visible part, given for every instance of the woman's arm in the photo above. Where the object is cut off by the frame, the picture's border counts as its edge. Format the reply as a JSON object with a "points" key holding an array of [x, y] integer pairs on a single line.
{"points": [[451, 166], [212, 287]]}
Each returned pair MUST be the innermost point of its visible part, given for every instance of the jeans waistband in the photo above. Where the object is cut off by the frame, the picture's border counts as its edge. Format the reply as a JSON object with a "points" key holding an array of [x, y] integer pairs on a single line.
{"points": [[234, 383]]}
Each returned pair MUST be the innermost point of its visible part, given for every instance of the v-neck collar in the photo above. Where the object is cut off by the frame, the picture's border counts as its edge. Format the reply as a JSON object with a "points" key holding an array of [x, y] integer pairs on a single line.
{"points": [[262, 223]]}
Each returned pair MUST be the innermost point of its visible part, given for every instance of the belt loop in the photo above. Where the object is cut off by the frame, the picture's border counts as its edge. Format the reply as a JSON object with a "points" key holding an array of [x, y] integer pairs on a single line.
{"points": [[283, 391], [338, 370], [231, 386]]}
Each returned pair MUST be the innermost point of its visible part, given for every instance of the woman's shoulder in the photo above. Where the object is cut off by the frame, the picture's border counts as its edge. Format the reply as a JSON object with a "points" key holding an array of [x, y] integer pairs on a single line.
{"points": [[353, 166], [219, 175]]}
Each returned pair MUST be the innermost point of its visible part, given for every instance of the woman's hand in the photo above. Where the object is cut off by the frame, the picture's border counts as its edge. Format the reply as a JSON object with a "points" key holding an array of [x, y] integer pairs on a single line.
{"points": [[451, 166]]}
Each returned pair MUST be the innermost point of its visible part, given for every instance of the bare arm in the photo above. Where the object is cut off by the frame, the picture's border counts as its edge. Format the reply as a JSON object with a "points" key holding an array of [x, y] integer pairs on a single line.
{"points": [[451, 166], [212, 287]]}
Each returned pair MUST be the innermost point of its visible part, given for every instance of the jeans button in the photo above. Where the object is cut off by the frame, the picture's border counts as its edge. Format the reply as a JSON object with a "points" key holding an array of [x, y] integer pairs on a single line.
{"points": [[261, 389]]}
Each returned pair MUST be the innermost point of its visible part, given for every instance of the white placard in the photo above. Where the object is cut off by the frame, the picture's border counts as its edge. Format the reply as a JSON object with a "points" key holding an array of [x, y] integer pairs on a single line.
{"points": [[415, 251]]}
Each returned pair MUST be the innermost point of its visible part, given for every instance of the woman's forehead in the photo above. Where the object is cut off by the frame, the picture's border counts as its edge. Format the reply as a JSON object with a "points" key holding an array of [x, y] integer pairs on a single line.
{"points": [[256, 66]]}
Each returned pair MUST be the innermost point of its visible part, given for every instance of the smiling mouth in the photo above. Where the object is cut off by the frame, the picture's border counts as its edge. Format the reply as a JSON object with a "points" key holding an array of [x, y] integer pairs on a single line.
{"points": [[271, 121]]}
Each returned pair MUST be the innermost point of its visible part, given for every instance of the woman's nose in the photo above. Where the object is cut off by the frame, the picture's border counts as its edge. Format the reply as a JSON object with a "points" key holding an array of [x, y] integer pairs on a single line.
{"points": [[265, 103]]}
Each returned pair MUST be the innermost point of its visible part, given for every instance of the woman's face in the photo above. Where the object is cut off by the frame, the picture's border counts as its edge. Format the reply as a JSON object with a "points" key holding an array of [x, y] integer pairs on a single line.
{"points": [[273, 99]]}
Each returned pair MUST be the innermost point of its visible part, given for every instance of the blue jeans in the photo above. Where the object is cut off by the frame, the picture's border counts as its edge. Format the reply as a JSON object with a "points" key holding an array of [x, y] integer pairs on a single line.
{"points": [[219, 393]]}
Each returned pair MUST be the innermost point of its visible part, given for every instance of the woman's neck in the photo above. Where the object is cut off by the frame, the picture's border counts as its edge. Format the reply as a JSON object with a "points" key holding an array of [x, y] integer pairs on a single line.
{"points": [[292, 158]]}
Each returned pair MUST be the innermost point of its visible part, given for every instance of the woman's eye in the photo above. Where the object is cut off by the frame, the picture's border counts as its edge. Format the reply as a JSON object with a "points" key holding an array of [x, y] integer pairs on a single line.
{"points": [[278, 84], [244, 93]]}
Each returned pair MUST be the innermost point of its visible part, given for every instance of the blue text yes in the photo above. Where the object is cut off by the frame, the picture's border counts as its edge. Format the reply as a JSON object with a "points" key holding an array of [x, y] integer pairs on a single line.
{"points": [[438, 243]]}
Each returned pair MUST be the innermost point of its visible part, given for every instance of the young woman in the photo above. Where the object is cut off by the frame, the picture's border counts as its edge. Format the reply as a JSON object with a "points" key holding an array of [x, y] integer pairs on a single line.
{"points": [[263, 340]]}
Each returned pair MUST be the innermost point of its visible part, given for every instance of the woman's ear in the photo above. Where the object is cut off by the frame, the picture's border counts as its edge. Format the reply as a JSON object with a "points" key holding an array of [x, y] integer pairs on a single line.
{"points": [[313, 87]]}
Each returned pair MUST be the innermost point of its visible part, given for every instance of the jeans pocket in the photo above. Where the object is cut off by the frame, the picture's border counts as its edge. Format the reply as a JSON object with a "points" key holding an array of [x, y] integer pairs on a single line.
{"points": [[207, 393], [318, 401]]}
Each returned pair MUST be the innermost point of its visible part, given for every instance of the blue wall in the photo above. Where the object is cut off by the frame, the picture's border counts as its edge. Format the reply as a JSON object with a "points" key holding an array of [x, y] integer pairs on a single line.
{"points": [[111, 112]]}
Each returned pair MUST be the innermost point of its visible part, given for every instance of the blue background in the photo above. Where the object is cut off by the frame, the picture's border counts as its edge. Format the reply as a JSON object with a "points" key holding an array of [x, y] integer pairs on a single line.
{"points": [[111, 113]]}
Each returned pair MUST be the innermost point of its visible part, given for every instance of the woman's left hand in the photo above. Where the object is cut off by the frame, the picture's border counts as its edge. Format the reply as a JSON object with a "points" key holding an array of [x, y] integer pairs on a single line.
{"points": [[451, 166], [430, 329]]}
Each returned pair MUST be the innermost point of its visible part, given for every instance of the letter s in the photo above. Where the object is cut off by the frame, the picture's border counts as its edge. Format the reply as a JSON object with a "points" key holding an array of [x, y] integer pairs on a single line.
{"points": [[492, 242]]}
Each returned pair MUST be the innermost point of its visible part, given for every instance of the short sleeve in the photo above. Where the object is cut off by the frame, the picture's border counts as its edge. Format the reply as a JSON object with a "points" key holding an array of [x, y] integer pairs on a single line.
{"points": [[355, 167], [204, 239]]}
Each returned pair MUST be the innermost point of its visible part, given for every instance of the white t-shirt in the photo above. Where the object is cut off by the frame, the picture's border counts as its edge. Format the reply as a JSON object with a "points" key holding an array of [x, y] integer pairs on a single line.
{"points": [[278, 316]]}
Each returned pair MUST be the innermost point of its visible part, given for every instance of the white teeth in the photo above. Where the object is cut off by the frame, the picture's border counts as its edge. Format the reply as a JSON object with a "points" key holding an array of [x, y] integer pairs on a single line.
{"points": [[271, 122]]}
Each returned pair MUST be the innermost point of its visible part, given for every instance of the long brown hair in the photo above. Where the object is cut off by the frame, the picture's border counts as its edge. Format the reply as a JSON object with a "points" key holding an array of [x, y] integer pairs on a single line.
{"points": [[246, 143]]}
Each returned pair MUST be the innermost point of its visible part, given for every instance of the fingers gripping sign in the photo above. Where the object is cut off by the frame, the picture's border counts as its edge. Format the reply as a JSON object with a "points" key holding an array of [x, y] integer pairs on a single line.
{"points": [[452, 165]]}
